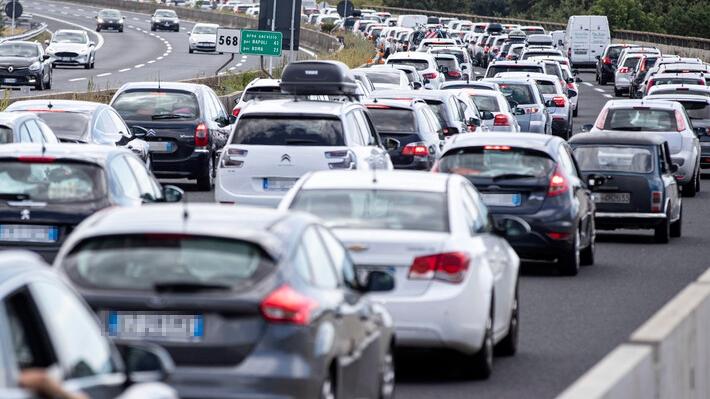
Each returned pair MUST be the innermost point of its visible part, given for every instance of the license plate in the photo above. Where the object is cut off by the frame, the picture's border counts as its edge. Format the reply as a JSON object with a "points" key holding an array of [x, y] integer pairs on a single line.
{"points": [[612, 198], [580, 52], [169, 327], [10, 80], [28, 233], [161, 146], [278, 184], [502, 199]]}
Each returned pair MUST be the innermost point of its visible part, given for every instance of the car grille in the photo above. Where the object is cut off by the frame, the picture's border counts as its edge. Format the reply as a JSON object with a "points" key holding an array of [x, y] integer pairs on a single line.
{"points": [[66, 54], [15, 68], [206, 44]]}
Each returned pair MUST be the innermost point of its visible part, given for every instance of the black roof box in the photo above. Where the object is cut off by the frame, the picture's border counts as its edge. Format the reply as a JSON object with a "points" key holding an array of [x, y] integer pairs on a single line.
{"points": [[318, 78]]}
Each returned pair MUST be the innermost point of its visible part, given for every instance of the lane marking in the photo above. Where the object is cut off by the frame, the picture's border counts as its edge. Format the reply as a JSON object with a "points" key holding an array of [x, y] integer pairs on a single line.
{"points": [[159, 58], [232, 68], [136, 19], [165, 54], [101, 75], [587, 84], [151, 61], [76, 79], [240, 64], [599, 90], [139, 66], [608, 96], [124, 70], [100, 41]]}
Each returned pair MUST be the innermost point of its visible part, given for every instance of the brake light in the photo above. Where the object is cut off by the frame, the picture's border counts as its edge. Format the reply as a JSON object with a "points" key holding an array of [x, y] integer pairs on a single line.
{"points": [[486, 49], [416, 149], [624, 70], [650, 84], [377, 106], [701, 82], [454, 74], [558, 236], [679, 121], [570, 85], [606, 60], [430, 75], [35, 159], [656, 198], [236, 111], [494, 50], [450, 267], [509, 57], [501, 120], [497, 147], [601, 119], [202, 137], [286, 305], [559, 101], [558, 185]]}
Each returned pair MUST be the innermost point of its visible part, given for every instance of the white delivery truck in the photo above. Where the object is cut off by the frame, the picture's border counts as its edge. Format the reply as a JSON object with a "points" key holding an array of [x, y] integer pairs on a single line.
{"points": [[586, 37], [412, 21]]}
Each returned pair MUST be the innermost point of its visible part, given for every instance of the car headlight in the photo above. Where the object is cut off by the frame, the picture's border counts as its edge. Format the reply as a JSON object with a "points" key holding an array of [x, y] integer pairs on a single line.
{"points": [[99, 20], [36, 66]]}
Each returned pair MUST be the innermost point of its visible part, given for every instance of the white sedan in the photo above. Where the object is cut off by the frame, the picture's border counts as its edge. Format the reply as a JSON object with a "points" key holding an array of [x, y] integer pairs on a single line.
{"points": [[455, 275]]}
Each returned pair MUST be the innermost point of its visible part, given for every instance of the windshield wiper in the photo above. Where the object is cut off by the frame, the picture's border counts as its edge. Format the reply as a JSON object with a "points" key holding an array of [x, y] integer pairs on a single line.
{"points": [[186, 286], [170, 116], [507, 176], [15, 196]]}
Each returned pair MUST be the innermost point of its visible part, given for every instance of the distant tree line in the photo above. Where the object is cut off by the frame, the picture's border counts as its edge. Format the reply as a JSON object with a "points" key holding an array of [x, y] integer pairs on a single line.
{"points": [[677, 17]]}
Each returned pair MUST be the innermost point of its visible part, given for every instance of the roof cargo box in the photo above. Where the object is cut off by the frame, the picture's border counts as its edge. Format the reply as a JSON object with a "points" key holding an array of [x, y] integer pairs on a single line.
{"points": [[318, 78]]}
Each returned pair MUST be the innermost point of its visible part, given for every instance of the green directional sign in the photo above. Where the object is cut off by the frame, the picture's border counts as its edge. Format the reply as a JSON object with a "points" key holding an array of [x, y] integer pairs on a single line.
{"points": [[259, 42]]}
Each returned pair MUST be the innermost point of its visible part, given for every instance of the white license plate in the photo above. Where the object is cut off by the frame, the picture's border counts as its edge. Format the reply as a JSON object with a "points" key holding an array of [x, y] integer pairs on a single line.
{"points": [[612, 198], [502, 199], [580, 52], [278, 184], [10, 80], [28, 233], [161, 146], [169, 327]]}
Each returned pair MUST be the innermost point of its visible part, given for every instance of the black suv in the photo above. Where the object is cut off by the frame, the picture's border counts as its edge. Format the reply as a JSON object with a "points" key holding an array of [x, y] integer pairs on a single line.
{"points": [[24, 64]]}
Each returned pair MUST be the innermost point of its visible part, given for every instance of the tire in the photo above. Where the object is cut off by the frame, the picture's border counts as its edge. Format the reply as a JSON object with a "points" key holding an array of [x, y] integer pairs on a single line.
{"points": [[508, 346], [570, 260], [617, 92], [189, 50], [677, 226], [152, 28], [177, 28], [691, 188], [327, 390], [120, 30], [93, 61], [482, 361], [586, 256], [87, 65], [387, 376], [697, 182], [662, 232], [40, 85], [206, 180], [221, 53], [48, 86], [576, 110], [98, 29]]}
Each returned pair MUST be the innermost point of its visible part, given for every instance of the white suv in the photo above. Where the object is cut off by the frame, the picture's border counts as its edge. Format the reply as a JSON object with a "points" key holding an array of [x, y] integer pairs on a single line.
{"points": [[425, 64]]}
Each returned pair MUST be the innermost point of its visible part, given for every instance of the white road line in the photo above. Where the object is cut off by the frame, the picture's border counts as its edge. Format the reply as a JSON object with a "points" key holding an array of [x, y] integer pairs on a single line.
{"points": [[151, 61], [165, 54], [131, 26], [608, 96], [232, 68], [159, 58], [139, 66], [136, 19], [76, 79], [476, 72], [66, 7], [101, 75], [147, 20], [587, 84], [76, 15], [599, 90], [240, 64], [100, 42], [81, 9], [124, 70]]}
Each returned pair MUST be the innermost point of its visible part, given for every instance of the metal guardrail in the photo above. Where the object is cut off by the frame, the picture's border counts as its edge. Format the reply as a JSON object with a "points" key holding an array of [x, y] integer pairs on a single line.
{"points": [[622, 34], [26, 35]]}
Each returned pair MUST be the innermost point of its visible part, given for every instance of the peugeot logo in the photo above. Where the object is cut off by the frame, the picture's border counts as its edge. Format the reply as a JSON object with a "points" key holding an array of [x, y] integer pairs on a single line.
{"points": [[10, 68], [25, 214], [285, 158], [150, 132]]}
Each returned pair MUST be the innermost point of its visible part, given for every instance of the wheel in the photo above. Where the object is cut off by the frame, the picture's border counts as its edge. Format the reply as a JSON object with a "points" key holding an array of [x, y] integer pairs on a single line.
{"points": [[596, 77], [602, 81], [177, 28], [120, 30], [93, 62], [190, 50], [569, 261], [483, 359], [327, 389], [87, 65], [40, 85], [221, 53], [152, 28], [206, 180], [387, 376], [508, 346], [617, 92], [53, 65], [98, 29], [576, 110], [662, 232], [48, 85], [690, 188], [677, 226], [586, 256], [697, 182]]}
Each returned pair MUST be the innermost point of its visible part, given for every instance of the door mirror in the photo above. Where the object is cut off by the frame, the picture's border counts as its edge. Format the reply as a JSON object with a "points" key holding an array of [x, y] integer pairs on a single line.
{"points": [[700, 131], [139, 132], [597, 57], [578, 80], [92, 44], [123, 18], [518, 111], [487, 115], [594, 181], [571, 93], [96, 17], [511, 227], [550, 104], [474, 122], [569, 80], [587, 127], [416, 85], [172, 193], [673, 168], [391, 144], [145, 362], [189, 33], [378, 281], [45, 57], [426, 81]]}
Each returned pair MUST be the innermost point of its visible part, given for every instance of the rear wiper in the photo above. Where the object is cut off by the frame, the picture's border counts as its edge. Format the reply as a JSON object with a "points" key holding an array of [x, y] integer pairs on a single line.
{"points": [[186, 286], [170, 116], [15, 196], [507, 176]]}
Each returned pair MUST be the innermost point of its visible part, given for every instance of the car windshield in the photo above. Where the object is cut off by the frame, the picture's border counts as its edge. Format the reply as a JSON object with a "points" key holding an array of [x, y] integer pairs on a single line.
{"points": [[110, 14], [289, 130], [419, 65], [614, 158], [384, 77], [393, 120], [520, 93], [640, 119], [18, 50], [493, 70], [149, 105], [70, 37], [166, 14], [486, 103], [204, 30], [376, 209], [54, 182], [494, 161], [546, 87], [697, 109], [67, 126], [147, 261]]}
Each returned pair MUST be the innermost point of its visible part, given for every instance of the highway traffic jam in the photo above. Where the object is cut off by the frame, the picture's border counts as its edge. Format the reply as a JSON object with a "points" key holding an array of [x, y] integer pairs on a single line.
{"points": [[358, 212]]}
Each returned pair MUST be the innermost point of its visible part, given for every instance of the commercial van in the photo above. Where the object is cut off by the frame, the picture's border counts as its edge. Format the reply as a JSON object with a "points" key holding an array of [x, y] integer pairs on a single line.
{"points": [[411, 21], [586, 37]]}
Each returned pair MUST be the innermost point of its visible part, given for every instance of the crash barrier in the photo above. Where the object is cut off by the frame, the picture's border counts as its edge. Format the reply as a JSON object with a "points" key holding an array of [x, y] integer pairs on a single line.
{"points": [[667, 357], [621, 34], [27, 34]]}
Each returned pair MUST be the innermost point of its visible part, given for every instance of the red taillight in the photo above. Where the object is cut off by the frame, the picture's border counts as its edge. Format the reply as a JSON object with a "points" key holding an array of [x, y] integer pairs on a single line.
{"points": [[606, 60], [286, 305], [624, 70], [558, 236], [558, 185], [701, 82], [570, 85], [601, 119], [679, 121], [501, 120], [450, 267], [656, 199], [35, 159], [486, 49], [202, 137], [559, 101], [454, 74], [494, 50], [496, 147], [416, 149], [430, 75], [236, 111]]}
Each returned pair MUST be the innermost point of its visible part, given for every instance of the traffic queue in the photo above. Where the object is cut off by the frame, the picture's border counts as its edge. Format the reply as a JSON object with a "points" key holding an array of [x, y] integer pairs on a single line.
{"points": [[353, 206]]}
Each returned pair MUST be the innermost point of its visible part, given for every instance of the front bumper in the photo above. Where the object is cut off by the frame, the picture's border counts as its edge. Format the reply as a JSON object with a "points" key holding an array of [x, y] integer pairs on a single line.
{"points": [[82, 59], [22, 78], [203, 46], [627, 220], [537, 246], [165, 25], [110, 25]]}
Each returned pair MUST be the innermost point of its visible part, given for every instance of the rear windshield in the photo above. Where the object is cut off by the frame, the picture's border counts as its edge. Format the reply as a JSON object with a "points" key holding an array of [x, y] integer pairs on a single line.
{"points": [[264, 93], [640, 119], [376, 209], [613, 52], [67, 126], [486, 103], [546, 87], [533, 31], [677, 81], [497, 162], [150, 105], [612, 158], [55, 182], [147, 261], [110, 14], [520, 93], [386, 77], [458, 54], [493, 70], [681, 91], [439, 110], [447, 63], [289, 130], [419, 65], [696, 109], [393, 120], [631, 62]]}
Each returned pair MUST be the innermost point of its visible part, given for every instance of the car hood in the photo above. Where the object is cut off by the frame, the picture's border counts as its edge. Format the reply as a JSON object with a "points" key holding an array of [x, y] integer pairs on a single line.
{"points": [[201, 37], [73, 47], [17, 61]]}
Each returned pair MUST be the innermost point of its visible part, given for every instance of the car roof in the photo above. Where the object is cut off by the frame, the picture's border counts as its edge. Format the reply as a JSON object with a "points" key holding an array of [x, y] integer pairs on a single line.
{"points": [[391, 103], [659, 104], [191, 87], [389, 180], [534, 141], [526, 75], [57, 105], [293, 106], [263, 82], [413, 55], [10, 118], [70, 30], [612, 137], [517, 62], [678, 74], [81, 152], [449, 48], [680, 96], [528, 81], [425, 94]]}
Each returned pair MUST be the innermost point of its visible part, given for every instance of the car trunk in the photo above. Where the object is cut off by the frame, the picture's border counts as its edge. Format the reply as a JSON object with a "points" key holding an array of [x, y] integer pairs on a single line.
{"points": [[516, 196], [622, 192], [168, 140], [403, 139]]}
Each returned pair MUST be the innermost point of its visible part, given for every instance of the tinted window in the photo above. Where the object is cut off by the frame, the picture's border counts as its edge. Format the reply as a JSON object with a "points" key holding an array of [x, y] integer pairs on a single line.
{"points": [[495, 162], [149, 105], [642, 119], [53, 182], [67, 126], [376, 209], [520, 93], [493, 70], [610, 158], [613, 52], [303, 131], [142, 261], [393, 120], [696, 109], [486, 103], [419, 65]]}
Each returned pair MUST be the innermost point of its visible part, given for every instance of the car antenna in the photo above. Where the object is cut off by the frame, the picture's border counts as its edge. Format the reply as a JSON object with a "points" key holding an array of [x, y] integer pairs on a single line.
{"points": [[185, 212], [49, 104]]}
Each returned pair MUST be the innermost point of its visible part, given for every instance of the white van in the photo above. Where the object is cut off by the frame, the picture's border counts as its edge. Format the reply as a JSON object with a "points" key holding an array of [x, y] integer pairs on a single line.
{"points": [[558, 39], [411, 21], [586, 37]]}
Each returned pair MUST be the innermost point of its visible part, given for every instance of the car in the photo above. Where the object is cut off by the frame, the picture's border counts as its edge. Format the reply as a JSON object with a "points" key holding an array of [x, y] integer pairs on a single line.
{"points": [[386, 78], [532, 30], [540, 52], [165, 19], [415, 80], [478, 49], [502, 118], [84, 122], [425, 64], [109, 18], [427, 43], [25, 64], [541, 40], [366, 85], [670, 64], [634, 186], [572, 89], [48, 189], [258, 89], [533, 177], [660, 79], [462, 57], [685, 68], [185, 125], [638, 75], [525, 94], [472, 84], [448, 66], [24, 127], [426, 231], [46, 326], [664, 118], [275, 142], [623, 75], [415, 128], [281, 289], [497, 67], [495, 45], [605, 69], [475, 118], [203, 38], [71, 48], [680, 89]]}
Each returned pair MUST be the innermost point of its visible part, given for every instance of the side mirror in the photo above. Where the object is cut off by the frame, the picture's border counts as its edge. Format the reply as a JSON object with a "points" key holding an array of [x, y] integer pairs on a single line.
{"points": [[391, 144], [145, 362], [578, 80], [571, 93], [45, 57], [700, 131], [232, 119], [569, 80], [587, 127], [594, 180], [189, 33], [416, 85], [673, 168], [479, 77], [473, 122], [427, 81], [139, 132], [511, 227], [123, 18], [597, 57], [550, 104], [518, 111], [378, 281], [487, 115], [575, 72], [172, 193]]}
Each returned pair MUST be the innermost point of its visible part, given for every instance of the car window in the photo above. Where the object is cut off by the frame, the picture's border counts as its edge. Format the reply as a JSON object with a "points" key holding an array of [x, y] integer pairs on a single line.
{"points": [[323, 274], [77, 337], [546, 87], [454, 106], [25, 134], [339, 255], [640, 119], [122, 172], [393, 120], [477, 218], [34, 131], [520, 93], [117, 121], [47, 132], [104, 125], [614, 158], [218, 106], [353, 132], [156, 105], [28, 333], [486, 103], [366, 128], [145, 181], [288, 130]]}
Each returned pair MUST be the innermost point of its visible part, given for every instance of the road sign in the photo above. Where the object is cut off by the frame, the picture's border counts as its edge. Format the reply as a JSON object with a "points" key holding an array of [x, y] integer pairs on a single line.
{"points": [[229, 40], [345, 8], [258, 42], [13, 7]]}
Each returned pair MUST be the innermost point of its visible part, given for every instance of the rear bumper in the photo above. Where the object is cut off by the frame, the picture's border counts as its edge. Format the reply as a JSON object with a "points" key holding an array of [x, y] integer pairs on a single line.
{"points": [[628, 220], [417, 164], [560, 125], [199, 47], [187, 168], [537, 246]]}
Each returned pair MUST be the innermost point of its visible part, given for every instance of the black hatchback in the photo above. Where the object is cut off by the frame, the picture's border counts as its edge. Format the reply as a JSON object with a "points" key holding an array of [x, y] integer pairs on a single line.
{"points": [[184, 124], [534, 177]]}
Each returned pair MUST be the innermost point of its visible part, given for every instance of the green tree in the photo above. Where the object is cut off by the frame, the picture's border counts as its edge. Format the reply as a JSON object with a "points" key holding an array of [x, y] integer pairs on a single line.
{"points": [[624, 14]]}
